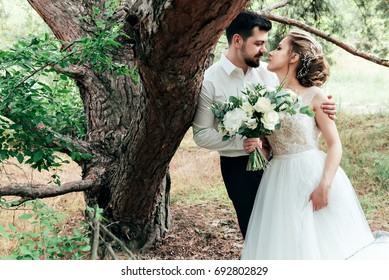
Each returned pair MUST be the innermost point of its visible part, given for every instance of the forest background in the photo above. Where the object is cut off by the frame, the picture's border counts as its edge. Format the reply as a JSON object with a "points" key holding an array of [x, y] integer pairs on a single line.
{"points": [[204, 225]]}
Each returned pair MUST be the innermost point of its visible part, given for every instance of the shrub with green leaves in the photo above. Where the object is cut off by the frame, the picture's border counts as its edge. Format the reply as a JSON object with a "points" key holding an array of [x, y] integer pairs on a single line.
{"points": [[47, 239]]}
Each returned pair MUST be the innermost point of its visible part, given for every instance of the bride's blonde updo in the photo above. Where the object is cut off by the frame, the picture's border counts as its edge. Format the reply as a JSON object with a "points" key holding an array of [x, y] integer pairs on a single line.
{"points": [[312, 69]]}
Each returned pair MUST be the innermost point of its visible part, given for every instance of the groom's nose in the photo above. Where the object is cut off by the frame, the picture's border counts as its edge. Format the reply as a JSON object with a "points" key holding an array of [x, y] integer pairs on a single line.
{"points": [[262, 49]]}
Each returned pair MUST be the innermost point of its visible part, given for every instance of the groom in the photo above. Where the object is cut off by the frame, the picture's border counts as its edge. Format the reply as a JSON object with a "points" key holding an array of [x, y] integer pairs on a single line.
{"points": [[238, 68]]}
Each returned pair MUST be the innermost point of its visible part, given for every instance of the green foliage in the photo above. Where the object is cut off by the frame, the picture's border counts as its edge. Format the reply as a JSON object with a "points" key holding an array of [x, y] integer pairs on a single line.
{"points": [[361, 23], [372, 21], [357, 84], [318, 14], [40, 107], [18, 19], [46, 240]]}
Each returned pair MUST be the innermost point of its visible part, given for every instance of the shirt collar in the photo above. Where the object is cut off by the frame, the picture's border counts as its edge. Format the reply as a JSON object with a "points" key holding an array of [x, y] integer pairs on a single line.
{"points": [[229, 67]]}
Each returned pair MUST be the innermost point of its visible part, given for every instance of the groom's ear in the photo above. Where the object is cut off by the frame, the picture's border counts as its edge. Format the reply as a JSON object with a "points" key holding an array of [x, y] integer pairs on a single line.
{"points": [[237, 40]]}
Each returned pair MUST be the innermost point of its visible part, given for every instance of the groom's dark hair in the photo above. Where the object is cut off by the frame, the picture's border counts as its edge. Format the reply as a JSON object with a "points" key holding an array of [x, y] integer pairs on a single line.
{"points": [[244, 24]]}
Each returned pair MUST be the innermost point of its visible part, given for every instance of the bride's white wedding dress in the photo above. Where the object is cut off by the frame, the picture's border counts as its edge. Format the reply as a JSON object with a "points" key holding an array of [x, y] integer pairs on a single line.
{"points": [[283, 224]]}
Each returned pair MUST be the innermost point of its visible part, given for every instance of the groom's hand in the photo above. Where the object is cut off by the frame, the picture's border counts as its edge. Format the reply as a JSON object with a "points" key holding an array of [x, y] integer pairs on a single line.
{"points": [[250, 144], [329, 108]]}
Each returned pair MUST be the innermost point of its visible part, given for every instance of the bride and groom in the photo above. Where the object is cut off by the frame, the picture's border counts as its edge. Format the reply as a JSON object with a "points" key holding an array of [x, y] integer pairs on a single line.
{"points": [[305, 206]]}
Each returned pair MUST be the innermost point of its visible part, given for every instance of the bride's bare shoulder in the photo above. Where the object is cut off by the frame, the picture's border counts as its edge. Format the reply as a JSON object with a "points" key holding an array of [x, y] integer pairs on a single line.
{"points": [[318, 93]]}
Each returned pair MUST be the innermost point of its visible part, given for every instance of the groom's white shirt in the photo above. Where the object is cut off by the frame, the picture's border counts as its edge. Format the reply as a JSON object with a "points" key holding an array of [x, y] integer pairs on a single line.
{"points": [[222, 80]]}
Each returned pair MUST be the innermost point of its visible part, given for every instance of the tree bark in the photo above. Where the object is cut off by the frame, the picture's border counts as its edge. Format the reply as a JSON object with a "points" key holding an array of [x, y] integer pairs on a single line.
{"points": [[133, 128]]}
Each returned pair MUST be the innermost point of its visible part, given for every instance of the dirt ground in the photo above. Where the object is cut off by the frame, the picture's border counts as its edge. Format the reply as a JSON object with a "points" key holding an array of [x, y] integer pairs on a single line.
{"points": [[201, 232]]}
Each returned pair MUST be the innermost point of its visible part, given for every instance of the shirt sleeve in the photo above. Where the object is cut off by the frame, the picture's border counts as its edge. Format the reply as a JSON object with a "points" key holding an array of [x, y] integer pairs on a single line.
{"points": [[204, 133]]}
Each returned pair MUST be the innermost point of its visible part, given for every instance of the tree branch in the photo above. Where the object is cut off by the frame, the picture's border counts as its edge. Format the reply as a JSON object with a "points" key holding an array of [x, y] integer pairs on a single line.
{"points": [[276, 6], [66, 26], [95, 224], [29, 191], [76, 144], [121, 243], [96, 234], [328, 37]]}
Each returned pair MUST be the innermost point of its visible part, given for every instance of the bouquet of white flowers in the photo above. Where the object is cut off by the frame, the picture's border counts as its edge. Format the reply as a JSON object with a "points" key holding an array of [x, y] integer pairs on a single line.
{"points": [[256, 114]]}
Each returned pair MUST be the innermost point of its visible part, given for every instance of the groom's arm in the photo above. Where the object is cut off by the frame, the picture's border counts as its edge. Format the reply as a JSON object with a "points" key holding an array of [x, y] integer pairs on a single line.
{"points": [[204, 133], [329, 107]]}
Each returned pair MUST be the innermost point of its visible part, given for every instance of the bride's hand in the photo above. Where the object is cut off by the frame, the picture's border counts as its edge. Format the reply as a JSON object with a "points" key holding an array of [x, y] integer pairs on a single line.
{"points": [[319, 197]]}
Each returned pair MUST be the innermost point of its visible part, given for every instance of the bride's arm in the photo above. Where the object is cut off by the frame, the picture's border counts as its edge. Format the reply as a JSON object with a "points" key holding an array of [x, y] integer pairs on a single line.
{"points": [[319, 196]]}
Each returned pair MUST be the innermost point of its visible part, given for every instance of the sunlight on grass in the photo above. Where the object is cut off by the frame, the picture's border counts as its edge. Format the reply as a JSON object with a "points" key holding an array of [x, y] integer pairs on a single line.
{"points": [[200, 195], [356, 81]]}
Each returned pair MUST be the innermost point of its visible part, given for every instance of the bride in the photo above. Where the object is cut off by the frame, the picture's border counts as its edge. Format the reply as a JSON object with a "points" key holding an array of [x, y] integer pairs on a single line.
{"points": [[306, 207]]}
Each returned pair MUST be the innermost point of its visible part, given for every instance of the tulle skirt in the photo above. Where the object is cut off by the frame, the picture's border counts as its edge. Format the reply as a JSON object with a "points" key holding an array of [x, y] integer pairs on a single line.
{"points": [[283, 224]]}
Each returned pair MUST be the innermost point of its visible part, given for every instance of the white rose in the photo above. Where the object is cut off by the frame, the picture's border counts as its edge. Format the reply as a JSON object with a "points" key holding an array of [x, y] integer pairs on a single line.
{"points": [[262, 91], [221, 129], [292, 93], [252, 123], [270, 119], [264, 105], [234, 119], [248, 108], [283, 107]]}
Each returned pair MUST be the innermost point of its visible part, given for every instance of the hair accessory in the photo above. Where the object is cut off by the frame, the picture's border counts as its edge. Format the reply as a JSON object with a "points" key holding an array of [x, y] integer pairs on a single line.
{"points": [[305, 68], [307, 60]]}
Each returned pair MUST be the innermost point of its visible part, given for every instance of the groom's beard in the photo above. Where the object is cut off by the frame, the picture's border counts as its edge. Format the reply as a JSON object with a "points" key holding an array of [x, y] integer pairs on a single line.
{"points": [[253, 62]]}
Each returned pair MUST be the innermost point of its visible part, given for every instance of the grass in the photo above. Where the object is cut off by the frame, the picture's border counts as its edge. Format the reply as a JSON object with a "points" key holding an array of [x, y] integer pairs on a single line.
{"points": [[366, 162], [355, 81], [72, 205]]}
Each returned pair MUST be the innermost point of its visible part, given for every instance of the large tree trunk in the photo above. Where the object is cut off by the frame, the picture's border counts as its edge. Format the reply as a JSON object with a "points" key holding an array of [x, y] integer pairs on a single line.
{"points": [[135, 129]]}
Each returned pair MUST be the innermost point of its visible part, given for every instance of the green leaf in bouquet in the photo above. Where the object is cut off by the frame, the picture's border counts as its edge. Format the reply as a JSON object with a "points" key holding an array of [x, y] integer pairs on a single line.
{"points": [[281, 93], [272, 96], [307, 111], [236, 101], [259, 87], [241, 129], [292, 111], [289, 100]]}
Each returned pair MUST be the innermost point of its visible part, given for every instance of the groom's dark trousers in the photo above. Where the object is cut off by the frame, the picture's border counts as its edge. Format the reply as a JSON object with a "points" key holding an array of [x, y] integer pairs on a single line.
{"points": [[241, 187]]}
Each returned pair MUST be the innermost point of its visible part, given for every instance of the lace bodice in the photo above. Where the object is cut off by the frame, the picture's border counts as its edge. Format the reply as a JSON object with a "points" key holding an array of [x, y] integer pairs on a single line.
{"points": [[298, 133]]}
